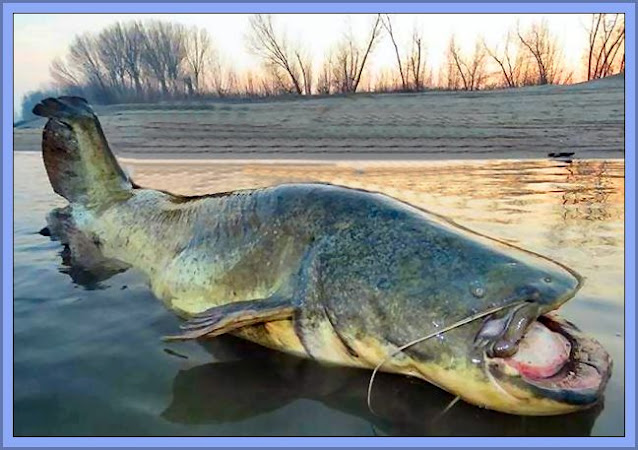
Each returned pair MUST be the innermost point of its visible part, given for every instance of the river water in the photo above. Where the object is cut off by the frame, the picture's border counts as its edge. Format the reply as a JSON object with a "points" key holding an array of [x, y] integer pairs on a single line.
{"points": [[88, 354]]}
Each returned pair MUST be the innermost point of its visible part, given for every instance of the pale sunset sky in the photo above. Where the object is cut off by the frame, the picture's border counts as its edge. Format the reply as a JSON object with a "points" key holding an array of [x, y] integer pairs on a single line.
{"points": [[39, 38]]}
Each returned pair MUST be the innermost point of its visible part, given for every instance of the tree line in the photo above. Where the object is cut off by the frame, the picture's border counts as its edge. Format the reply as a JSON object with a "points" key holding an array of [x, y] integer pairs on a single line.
{"points": [[149, 61]]}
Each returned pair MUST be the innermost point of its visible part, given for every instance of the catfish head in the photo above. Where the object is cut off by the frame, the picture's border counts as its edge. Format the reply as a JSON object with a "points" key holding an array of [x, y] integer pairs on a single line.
{"points": [[467, 313]]}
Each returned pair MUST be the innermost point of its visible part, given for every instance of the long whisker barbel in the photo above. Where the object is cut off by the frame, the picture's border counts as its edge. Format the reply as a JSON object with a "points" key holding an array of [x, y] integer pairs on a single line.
{"points": [[467, 320], [447, 408]]}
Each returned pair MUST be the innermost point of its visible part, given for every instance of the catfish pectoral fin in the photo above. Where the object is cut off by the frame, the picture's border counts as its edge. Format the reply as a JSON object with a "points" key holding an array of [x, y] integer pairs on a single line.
{"points": [[232, 316]]}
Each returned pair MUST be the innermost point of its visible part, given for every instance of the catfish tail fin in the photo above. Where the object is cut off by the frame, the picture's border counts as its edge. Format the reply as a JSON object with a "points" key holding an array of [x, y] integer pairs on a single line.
{"points": [[78, 160]]}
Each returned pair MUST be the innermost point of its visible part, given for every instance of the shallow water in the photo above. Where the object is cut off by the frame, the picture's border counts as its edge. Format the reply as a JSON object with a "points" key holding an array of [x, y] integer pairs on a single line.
{"points": [[89, 359]]}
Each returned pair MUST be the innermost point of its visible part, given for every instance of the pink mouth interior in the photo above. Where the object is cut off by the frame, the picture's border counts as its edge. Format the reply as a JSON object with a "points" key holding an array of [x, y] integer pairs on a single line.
{"points": [[541, 353]]}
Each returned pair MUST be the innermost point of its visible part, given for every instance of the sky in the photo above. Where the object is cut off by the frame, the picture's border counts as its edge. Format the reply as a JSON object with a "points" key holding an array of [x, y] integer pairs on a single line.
{"points": [[39, 38]]}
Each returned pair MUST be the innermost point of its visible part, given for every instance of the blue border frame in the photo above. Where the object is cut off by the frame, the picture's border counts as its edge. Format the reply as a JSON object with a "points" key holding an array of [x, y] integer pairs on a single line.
{"points": [[9, 9]]}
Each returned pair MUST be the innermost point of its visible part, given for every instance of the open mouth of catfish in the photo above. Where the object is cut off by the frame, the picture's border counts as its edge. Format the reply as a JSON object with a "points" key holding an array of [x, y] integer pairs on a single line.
{"points": [[548, 354]]}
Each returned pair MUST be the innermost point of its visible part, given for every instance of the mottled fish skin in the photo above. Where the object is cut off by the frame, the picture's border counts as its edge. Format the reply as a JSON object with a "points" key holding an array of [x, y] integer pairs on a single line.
{"points": [[364, 273]]}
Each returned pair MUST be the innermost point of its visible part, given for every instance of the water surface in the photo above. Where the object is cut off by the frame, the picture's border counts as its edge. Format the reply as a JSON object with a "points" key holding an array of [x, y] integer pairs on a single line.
{"points": [[88, 354]]}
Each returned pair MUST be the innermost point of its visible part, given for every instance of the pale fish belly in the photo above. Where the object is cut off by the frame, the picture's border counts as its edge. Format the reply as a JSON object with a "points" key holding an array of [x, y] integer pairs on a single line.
{"points": [[281, 335]]}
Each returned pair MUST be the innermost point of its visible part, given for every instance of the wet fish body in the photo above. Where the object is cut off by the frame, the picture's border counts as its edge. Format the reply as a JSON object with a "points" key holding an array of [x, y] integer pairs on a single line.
{"points": [[335, 274]]}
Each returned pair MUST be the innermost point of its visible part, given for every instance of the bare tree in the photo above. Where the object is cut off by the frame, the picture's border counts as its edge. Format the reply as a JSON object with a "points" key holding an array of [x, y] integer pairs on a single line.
{"points": [[465, 72], [412, 67], [173, 50], [325, 81], [83, 55], [416, 61], [151, 57], [544, 49], [164, 53], [152, 60], [124, 61], [222, 76], [513, 62], [281, 58], [606, 50], [350, 58], [83, 69], [133, 48], [387, 24], [456, 64], [504, 61], [64, 75], [198, 54], [111, 49], [303, 59]]}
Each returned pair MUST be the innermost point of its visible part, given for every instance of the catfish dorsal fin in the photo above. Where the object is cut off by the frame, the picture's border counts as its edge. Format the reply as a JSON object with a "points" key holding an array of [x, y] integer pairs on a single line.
{"points": [[232, 316], [77, 157]]}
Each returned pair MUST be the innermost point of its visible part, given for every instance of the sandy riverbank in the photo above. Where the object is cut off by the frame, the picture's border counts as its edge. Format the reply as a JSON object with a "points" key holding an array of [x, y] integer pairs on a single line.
{"points": [[531, 122]]}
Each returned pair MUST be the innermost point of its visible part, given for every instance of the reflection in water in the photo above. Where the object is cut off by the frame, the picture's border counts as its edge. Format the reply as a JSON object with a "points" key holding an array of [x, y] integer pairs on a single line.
{"points": [[584, 190], [81, 256], [591, 196], [266, 381], [587, 197]]}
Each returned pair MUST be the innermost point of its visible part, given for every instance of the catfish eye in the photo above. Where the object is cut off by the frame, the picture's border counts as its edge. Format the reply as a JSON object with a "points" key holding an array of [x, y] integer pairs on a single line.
{"points": [[477, 290], [547, 279]]}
